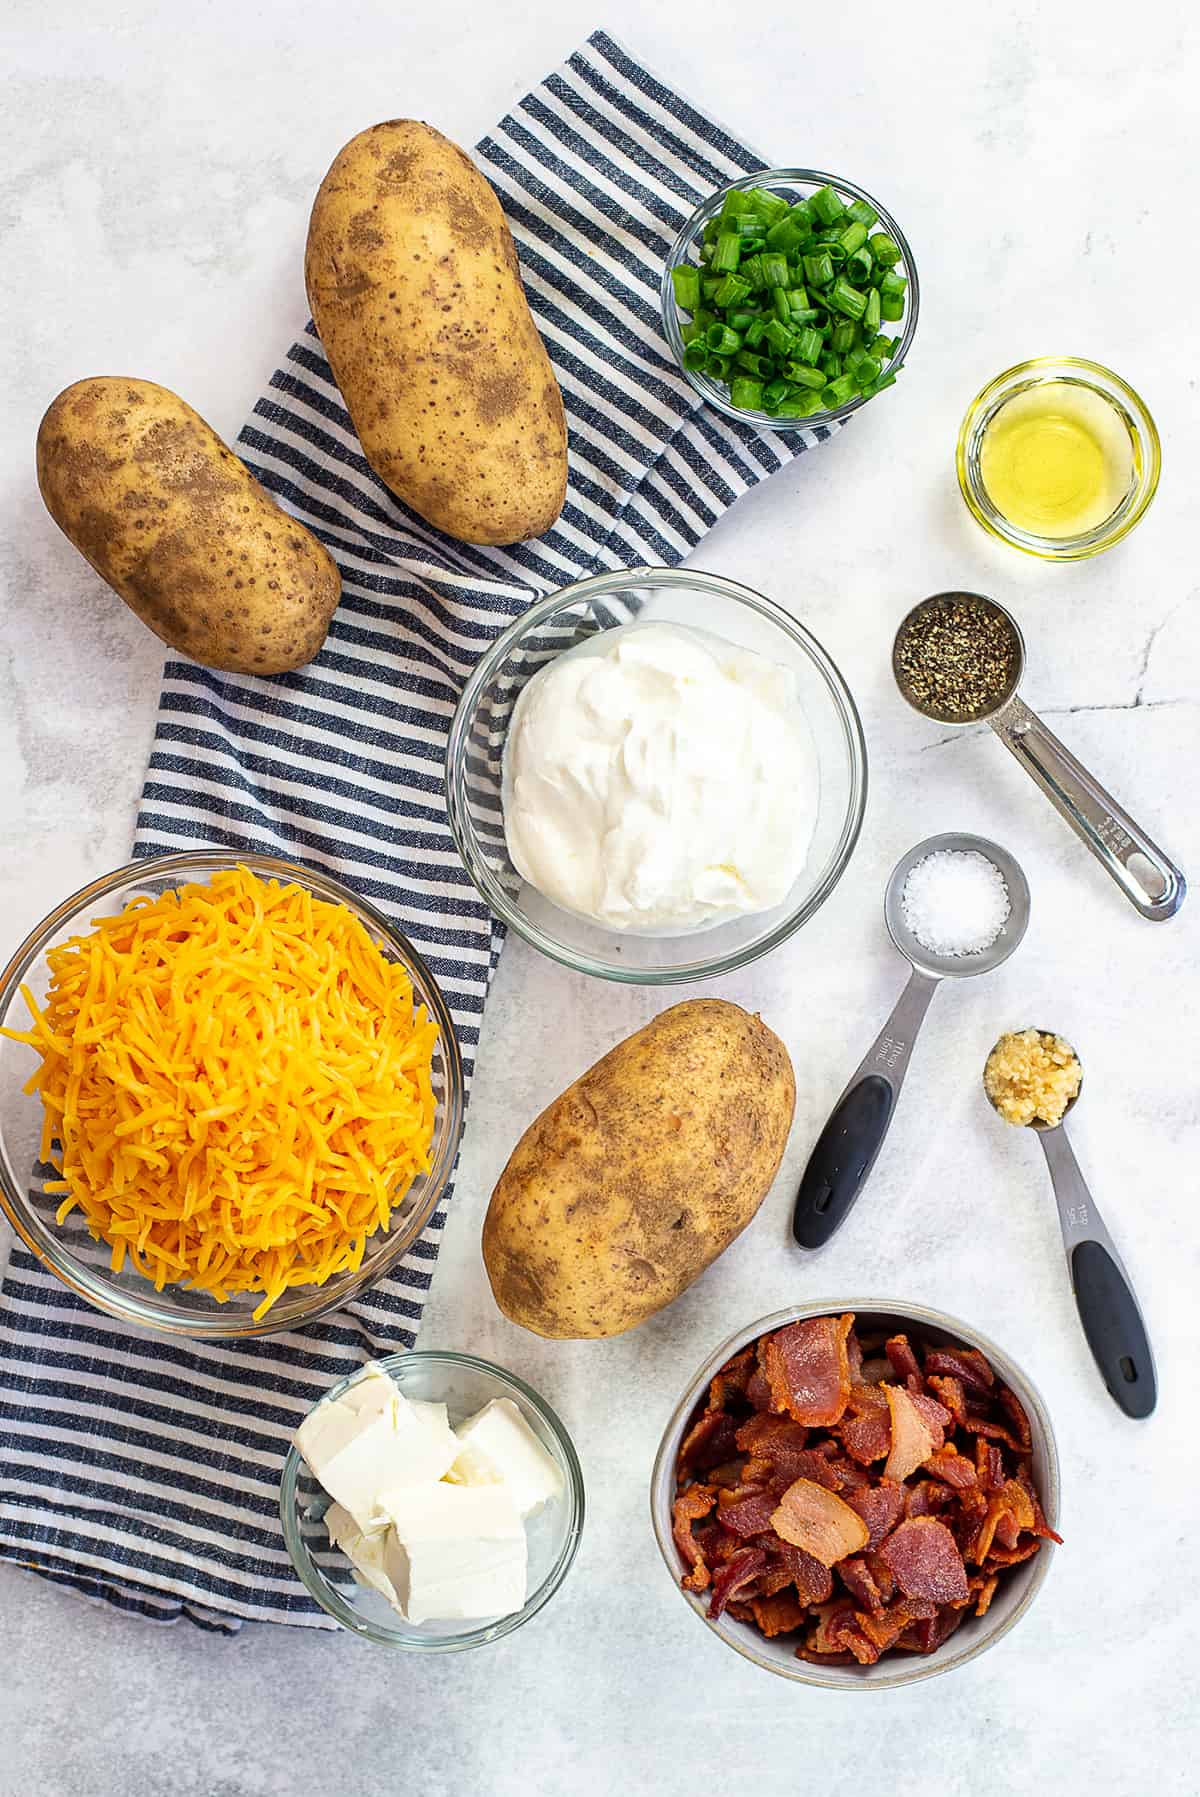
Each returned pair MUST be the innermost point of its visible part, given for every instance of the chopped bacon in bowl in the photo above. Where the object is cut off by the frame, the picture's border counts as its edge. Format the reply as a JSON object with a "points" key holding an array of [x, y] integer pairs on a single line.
{"points": [[855, 1497]]}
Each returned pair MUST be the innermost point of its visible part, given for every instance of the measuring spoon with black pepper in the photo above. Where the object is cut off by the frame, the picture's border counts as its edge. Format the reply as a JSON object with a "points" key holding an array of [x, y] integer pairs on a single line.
{"points": [[848, 1145], [958, 658]]}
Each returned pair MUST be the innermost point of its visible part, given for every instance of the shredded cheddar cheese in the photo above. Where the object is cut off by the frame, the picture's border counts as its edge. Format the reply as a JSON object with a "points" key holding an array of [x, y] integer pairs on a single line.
{"points": [[236, 1086]]}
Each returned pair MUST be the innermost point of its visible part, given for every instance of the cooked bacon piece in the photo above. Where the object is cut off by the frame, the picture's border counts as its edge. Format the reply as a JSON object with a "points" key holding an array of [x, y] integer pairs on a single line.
{"points": [[880, 1508], [859, 1581], [1003, 1556], [985, 1594], [881, 1572], [951, 1467], [874, 1369], [923, 1637], [734, 1576], [727, 1476], [778, 1454], [690, 1506], [824, 1659], [980, 1425], [854, 1357], [711, 1439], [903, 1361], [1040, 1525], [848, 1473], [779, 1615], [813, 1582], [989, 1465], [809, 1370], [748, 1514], [758, 1390], [1010, 1402], [927, 1497], [739, 1611], [949, 1391], [885, 1628], [731, 1382], [924, 1557], [967, 1364], [817, 1520], [866, 1429], [838, 1629], [915, 1435]]}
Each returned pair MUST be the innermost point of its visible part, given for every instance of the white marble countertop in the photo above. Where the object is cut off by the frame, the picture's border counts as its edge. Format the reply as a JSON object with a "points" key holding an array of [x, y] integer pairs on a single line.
{"points": [[158, 164]]}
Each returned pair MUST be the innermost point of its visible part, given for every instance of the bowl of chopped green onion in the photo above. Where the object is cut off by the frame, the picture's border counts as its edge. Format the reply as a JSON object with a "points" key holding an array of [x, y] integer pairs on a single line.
{"points": [[790, 297]]}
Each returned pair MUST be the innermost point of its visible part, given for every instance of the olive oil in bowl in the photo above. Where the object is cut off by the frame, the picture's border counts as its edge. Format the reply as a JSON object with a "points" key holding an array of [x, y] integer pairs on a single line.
{"points": [[1058, 457]]}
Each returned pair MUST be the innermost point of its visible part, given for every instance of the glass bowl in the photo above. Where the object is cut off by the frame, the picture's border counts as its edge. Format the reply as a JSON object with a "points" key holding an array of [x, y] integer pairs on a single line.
{"points": [[474, 770], [1115, 393], [69, 1250], [793, 184], [464, 1384], [1016, 1590]]}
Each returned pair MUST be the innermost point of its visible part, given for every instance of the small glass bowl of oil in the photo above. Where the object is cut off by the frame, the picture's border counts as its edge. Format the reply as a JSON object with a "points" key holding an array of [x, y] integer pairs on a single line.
{"points": [[1059, 457]]}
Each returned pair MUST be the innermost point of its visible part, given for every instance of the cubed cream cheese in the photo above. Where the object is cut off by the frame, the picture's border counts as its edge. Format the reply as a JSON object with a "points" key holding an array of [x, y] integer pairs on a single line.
{"points": [[373, 1440], [499, 1448], [455, 1552], [365, 1550]]}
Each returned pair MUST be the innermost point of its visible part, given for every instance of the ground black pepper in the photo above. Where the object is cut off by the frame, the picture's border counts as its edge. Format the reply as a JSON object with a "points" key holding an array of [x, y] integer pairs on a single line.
{"points": [[956, 658]]}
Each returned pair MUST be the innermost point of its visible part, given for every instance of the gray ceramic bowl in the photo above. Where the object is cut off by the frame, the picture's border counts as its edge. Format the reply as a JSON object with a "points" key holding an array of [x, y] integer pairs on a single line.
{"points": [[1017, 1589]]}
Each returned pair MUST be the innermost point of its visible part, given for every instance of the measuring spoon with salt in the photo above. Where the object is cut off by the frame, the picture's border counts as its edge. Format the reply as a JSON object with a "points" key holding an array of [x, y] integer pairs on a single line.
{"points": [[923, 665], [1104, 1295], [848, 1145]]}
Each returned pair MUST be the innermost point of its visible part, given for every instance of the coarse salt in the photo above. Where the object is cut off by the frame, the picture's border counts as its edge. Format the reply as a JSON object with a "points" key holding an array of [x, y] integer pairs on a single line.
{"points": [[955, 902]]}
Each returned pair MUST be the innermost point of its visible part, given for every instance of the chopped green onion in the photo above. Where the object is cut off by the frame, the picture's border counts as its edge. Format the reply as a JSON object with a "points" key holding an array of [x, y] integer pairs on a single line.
{"points": [[818, 269], [848, 299], [746, 394], [808, 346], [686, 281], [728, 253], [732, 291], [801, 375], [786, 302], [722, 341], [825, 205]]}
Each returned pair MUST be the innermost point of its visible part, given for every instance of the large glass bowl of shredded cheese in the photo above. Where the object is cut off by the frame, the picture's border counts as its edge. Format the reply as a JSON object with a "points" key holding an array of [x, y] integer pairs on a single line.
{"points": [[230, 1095]]}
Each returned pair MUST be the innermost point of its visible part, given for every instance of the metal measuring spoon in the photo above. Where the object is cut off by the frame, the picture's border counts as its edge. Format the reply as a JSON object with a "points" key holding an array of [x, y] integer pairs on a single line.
{"points": [[847, 1146], [1104, 1295], [1150, 881]]}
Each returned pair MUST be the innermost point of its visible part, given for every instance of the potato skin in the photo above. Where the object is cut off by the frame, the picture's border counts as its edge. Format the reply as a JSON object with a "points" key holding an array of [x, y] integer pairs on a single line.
{"points": [[645, 1169], [178, 526], [413, 283]]}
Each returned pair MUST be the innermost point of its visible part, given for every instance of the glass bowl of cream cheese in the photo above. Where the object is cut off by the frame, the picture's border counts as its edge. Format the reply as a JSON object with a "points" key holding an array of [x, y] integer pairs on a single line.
{"points": [[432, 1501], [656, 775]]}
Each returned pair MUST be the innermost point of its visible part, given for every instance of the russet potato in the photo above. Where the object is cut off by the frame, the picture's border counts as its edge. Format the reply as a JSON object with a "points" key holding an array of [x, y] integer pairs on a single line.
{"points": [[413, 283], [645, 1169], [178, 526]]}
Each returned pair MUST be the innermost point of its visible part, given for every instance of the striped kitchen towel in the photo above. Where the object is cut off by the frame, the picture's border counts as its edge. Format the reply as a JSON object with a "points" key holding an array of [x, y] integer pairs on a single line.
{"points": [[144, 1472]]}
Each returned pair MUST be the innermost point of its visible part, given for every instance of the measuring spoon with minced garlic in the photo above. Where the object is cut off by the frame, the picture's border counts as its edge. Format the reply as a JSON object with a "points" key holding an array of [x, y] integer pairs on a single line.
{"points": [[958, 659], [1033, 1077]]}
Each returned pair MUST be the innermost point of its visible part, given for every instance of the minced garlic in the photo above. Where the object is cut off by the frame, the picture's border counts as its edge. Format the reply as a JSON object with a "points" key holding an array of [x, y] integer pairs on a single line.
{"points": [[1031, 1076]]}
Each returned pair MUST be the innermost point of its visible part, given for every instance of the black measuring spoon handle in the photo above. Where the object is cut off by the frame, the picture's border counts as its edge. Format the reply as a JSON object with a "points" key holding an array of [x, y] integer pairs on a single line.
{"points": [[847, 1147], [1104, 1296]]}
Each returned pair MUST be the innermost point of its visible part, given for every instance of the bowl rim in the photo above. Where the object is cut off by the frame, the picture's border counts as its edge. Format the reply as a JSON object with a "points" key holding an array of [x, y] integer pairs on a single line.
{"points": [[328, 1597], [709, 389], [614, 581], [987, 402], [909, 1672], [140, 1311]]}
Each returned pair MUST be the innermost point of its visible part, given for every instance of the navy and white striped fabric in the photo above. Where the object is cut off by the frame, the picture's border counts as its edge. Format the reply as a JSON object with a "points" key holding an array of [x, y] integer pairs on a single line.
{"points": [[144, 1472]]}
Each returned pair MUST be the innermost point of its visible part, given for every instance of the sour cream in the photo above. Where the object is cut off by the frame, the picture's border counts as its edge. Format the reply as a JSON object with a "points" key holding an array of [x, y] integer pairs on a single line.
{"points": [[660, 778]]}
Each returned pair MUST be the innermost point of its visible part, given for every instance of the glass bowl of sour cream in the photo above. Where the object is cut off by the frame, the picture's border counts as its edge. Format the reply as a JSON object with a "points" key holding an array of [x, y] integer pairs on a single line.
{"points": [[656, 776]]}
